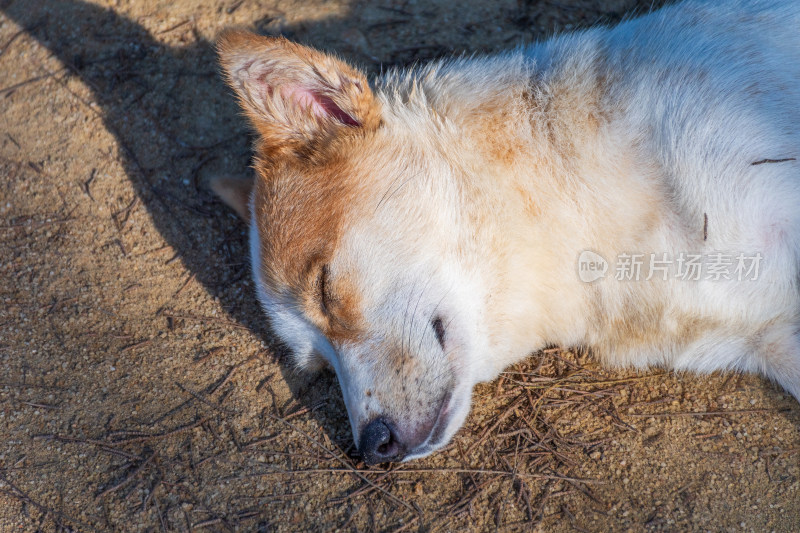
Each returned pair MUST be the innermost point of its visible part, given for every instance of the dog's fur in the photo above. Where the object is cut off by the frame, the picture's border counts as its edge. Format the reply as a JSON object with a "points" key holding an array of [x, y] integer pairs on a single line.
{"points": [[422, 233]]}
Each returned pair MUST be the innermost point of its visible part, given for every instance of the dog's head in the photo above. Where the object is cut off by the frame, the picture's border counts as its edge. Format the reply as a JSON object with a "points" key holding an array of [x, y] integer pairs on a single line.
{"points": [[361, 249]]}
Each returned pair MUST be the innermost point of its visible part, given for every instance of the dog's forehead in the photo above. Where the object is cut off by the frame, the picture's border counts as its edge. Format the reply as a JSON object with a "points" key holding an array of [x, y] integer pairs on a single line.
{"points": [[302, 207]]}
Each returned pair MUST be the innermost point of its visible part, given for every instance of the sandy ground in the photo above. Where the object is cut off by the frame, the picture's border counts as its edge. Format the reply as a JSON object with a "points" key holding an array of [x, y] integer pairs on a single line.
{"points": [[140, 389]]}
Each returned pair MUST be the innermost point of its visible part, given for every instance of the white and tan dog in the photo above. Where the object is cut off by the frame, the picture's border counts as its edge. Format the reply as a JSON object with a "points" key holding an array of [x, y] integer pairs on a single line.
{"points": [[633, 190]]}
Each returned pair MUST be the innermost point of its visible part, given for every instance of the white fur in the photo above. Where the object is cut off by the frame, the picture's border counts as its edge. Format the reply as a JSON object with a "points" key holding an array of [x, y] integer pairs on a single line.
{"points": [[624, 140]]}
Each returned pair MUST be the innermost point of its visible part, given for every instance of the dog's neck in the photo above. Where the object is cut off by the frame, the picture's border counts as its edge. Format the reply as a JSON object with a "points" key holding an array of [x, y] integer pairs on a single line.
{"points": [[582, 169]]}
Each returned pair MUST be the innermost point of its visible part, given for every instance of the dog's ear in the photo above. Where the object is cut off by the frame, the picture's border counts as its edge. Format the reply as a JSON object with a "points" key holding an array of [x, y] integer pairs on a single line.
{"points": [[296, 97], [235, 192]]}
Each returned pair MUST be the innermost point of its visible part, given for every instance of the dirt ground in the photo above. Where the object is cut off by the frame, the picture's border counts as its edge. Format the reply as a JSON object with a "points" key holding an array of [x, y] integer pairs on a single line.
{"points": [[140, 389]]}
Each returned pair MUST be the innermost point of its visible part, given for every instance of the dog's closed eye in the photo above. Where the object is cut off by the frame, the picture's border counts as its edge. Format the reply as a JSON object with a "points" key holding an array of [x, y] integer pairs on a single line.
{"points": [[438, 329], [322, 286]]}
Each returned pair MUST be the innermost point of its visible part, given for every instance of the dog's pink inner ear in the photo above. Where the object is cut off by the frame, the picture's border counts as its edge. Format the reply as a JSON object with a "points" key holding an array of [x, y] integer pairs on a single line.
{"points": [[320, 105], [296, 97]]}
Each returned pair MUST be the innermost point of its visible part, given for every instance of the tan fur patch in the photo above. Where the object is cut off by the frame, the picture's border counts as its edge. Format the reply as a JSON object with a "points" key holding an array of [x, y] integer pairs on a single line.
{"points": [[345, 321], [300, 211], [497, 131]]}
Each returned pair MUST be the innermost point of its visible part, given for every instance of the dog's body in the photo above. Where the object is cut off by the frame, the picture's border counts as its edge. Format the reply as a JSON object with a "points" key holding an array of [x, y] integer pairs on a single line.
{"points": [[423, 236]]}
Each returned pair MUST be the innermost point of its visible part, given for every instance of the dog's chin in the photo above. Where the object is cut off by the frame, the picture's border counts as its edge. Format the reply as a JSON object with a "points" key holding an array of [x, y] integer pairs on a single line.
{"points": [[449, 421]]}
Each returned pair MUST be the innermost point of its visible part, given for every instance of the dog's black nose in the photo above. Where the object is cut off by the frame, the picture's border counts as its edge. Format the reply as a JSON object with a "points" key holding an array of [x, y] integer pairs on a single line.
{"points": [[379, 444]]}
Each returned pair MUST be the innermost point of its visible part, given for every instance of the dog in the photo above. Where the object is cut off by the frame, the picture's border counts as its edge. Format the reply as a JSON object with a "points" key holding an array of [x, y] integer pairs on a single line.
{"points": [[632, 190]]}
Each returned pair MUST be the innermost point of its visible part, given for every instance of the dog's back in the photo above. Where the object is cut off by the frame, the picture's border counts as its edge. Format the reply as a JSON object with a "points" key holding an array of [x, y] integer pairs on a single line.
{"points": [[708, 96]]}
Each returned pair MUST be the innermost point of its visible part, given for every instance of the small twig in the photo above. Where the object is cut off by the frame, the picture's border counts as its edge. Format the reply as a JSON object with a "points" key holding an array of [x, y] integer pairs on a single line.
{"points": [[136, 345], [396, 10], [41, 405], [14, 38], [30, 386], [234, 6], [61, 302], [406, 525], [130, 477], [365, 488], [204, 460], [159, 436], [705, 227], [763, 161], [87, 184], [259, 442], [225, 322], [209, 353], [710, 413], [230, 373], [35, 223], [572, 520], [566, 380], [10, 138], [185, 284], [63, 438], [304, 410], [264, 382], [351, 517], [203, 400], [175, 27], [16, 86], [158, 512], [429, 471], [206, 523], [126, 211]]}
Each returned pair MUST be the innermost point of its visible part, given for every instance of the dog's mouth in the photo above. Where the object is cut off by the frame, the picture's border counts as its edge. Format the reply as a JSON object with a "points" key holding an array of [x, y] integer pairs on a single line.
{"points": [[438, 435]]}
